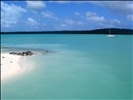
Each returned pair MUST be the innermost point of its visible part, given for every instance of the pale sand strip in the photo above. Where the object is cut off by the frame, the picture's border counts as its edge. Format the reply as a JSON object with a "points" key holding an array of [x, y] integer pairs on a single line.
{"points": [[10, 66]]}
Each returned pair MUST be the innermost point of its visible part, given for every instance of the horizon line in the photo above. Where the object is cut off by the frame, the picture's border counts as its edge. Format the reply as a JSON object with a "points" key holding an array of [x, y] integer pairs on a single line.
{"points": [[64, 30]]}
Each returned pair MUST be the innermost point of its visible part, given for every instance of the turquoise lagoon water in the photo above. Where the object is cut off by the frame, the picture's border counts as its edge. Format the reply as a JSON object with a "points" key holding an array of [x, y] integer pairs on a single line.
{"points": [[80, 67]]}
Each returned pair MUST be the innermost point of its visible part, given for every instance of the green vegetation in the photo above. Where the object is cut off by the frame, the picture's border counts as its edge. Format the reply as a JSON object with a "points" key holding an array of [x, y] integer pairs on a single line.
{"points": [[97, 31]]}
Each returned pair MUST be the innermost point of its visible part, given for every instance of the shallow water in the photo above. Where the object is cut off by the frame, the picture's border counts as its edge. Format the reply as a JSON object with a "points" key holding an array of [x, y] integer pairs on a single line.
{"points": [[80, 67]]}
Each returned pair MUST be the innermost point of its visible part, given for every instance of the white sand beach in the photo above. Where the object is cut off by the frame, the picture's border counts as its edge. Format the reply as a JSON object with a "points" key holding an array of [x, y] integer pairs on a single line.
{"points": [[10, 65]]}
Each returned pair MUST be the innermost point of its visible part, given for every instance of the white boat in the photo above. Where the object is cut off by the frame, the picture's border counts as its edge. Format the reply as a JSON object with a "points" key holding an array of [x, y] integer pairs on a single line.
{"points": [[110, 35]]}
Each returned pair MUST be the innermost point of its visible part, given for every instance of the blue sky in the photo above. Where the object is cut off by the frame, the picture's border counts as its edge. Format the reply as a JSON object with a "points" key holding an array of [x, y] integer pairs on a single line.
{"points": [[65, 15]]}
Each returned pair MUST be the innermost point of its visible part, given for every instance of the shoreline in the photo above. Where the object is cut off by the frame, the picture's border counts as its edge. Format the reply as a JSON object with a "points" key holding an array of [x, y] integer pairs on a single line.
{"points": [[11, 66]]}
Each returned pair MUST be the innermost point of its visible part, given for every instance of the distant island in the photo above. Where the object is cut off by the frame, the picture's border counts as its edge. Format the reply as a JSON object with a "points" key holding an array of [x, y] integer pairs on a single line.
{"points": [[96, 31]]}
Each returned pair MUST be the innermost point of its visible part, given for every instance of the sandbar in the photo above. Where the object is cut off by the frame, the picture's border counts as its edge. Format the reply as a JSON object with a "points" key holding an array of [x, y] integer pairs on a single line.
{"points": [[10, 65]]}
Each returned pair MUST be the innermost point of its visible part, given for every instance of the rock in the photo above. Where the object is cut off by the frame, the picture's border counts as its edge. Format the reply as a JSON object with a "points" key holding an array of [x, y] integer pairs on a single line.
{"points": [[26, 53]]}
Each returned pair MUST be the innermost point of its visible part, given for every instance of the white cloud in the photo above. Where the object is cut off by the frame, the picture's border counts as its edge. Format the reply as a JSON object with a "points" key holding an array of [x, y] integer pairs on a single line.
{"points": [[10, 14], [63, 25], [130, 17], [69, 21], [101, 22], [122, 7], [50, 15], [97, 19], [69, 1], [72, 22], [61, 2], [32, 22], [118, 6], [69, 24], [35, 4], [77, 13], [115, 21], [92, 16]]}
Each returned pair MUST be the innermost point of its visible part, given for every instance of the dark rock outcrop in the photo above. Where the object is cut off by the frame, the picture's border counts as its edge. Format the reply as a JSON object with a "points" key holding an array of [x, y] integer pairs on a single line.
{"points": [[26, 53]]}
